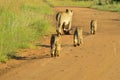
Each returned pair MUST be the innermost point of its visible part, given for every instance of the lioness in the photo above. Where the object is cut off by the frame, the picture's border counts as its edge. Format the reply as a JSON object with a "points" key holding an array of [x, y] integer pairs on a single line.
{"points": [[64, 20]]}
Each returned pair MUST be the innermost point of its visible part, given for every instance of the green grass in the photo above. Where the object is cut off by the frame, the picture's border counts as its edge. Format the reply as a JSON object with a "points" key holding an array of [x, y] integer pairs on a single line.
{"points": [[20, 23], [89, 4], [110, 7], [70, 3]]}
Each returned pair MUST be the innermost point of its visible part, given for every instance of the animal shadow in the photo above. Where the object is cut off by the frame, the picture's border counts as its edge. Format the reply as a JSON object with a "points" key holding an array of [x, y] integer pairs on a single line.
{"points": [[43, 45], [31, 58], [86, 33], [116, 19]]}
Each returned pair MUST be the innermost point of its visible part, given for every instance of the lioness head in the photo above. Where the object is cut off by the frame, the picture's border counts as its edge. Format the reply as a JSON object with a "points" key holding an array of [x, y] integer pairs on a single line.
{"points": [[69, 11]]}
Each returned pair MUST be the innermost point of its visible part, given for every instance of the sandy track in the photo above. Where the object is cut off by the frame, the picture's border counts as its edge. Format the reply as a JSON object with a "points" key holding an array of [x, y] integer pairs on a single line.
{"points": [[97, 59]]}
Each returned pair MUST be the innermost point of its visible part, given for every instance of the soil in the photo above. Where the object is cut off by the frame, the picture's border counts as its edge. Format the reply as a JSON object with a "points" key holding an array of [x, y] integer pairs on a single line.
{"points": [[97, 59]]}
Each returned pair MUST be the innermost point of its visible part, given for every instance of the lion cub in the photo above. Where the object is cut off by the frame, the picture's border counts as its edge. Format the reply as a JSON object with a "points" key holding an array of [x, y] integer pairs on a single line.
{"points": [[78, 37], [55, 45], [93, 26]]}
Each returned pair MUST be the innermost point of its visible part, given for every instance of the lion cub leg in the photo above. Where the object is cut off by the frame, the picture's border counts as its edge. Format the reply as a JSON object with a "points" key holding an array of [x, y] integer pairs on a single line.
{"points": [[75, 39], [58, 49], [80, 36], [52, 45], [53, 51]]}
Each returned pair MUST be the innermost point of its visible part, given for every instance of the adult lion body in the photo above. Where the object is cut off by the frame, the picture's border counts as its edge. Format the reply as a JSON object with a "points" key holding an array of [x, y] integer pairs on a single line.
{"points": [[64, 20]]}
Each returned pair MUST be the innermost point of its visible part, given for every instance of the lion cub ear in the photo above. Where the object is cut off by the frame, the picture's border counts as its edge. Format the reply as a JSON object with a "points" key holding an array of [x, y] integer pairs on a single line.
{"points": [[66, 10]]}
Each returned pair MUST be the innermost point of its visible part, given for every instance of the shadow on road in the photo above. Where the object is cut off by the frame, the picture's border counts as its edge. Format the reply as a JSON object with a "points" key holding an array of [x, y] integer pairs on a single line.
{"points": [[43, 45], [86, 33], [116, 19], [32, 57]]}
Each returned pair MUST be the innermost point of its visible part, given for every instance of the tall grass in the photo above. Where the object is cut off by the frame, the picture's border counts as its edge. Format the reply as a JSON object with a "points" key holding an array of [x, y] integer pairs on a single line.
{"points": [[21, 21]]}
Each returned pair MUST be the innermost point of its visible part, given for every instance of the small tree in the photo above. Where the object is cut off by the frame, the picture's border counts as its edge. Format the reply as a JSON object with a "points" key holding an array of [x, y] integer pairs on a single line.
{"points": [[99, 2]]}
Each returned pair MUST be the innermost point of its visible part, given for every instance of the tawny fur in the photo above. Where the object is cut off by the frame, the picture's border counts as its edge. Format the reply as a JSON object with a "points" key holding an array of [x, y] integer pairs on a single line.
{"points": [[55, 45], [78, 37], [64, 20], [93, 26]]}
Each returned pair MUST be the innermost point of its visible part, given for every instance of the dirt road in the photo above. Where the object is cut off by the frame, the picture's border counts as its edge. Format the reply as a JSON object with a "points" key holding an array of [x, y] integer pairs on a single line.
{"points": [[97, 59]]}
